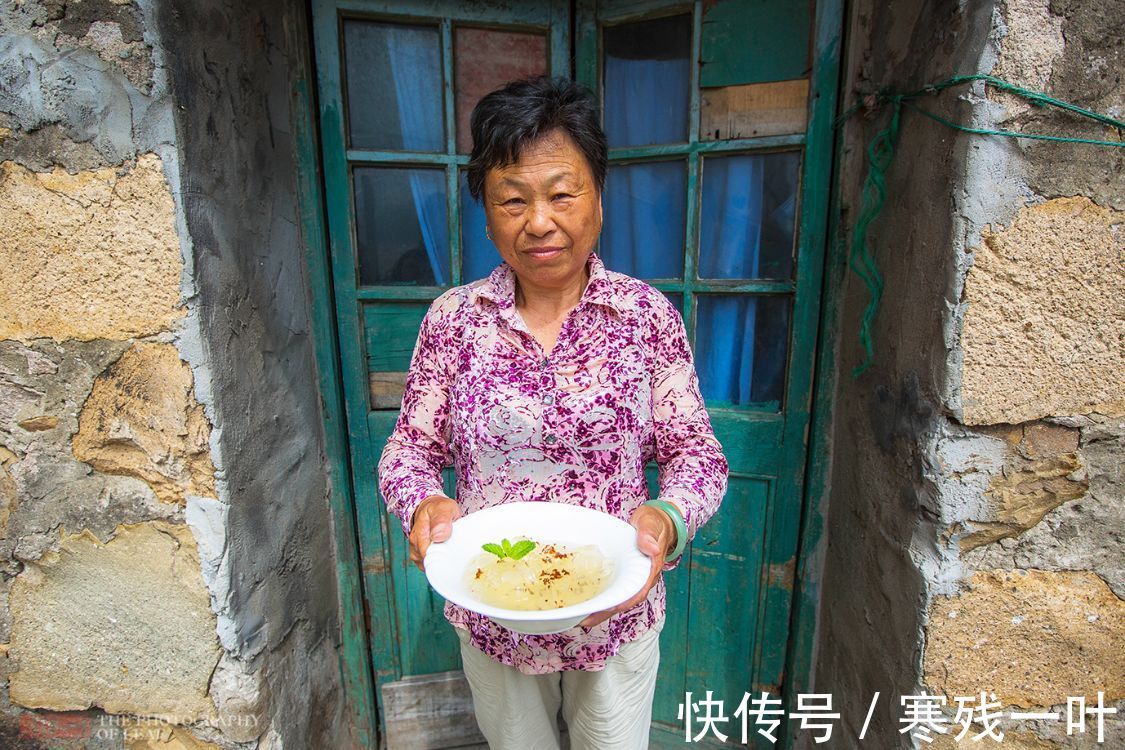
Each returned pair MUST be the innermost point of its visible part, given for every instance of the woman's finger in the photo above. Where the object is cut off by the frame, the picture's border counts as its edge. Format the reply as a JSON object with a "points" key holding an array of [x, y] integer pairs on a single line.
{"points": [[433, 522]]}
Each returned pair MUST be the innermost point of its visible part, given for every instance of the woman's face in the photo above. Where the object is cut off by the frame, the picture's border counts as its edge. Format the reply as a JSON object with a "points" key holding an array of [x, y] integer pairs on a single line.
{"points": [[545, 212]]}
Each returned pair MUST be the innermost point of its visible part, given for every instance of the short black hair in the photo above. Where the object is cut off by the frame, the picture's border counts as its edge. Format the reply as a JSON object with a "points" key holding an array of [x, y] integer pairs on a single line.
{"points": [[509, 118]]}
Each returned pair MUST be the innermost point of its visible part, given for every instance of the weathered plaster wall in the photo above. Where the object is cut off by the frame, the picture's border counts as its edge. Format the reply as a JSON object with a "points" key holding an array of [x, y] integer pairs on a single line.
{"points": [[882, 510], [231, 69], [165, 546], [976, 508], [1041, 345]]}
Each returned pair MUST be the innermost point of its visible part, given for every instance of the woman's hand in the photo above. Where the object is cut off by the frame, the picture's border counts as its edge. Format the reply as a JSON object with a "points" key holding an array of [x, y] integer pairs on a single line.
{"points": [[656, 535], [433, 522]]}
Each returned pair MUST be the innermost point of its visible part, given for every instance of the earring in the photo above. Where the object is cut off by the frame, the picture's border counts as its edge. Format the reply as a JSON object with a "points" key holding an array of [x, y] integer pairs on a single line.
{"points": [[487, 233]]}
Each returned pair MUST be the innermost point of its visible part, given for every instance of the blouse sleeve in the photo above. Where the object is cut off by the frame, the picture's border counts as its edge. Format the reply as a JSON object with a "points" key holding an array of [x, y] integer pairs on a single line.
{"points": [[692, 467], [418, 449]]}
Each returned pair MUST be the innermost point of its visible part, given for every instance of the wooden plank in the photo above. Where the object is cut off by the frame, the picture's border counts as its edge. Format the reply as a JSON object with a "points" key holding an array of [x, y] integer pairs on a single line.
{"points": [[355, 652], [353, 369], [755, 110], [517, 13], [755, 41], [391, 330], [386, 389], [828, 31], [427, 712], [726, 612]]}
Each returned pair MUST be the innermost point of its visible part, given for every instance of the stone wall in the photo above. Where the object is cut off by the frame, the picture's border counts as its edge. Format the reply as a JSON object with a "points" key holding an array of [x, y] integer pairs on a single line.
{"points": [[977, 505], [166, 577]]}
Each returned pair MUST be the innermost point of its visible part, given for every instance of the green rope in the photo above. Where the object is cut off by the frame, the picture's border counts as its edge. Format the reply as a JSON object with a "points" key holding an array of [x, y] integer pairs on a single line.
{"points": [[880, 152]]}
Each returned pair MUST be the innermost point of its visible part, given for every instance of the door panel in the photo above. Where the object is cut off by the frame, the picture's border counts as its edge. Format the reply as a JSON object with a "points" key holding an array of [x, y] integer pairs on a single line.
{"points": [[716, 195]]}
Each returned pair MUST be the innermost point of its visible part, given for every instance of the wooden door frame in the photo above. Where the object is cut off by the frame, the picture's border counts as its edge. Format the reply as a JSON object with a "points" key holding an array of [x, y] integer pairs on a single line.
{"points": [[355, 651], [356, 666]]}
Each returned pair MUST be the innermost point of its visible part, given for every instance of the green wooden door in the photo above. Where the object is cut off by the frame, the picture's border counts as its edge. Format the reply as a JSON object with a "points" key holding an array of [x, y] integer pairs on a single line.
{"points": [[716, 195]]}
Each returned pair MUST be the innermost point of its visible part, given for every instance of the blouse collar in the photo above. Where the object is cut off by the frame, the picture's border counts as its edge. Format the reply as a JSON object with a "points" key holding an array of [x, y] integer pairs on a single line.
{"points": [[500, 286]]}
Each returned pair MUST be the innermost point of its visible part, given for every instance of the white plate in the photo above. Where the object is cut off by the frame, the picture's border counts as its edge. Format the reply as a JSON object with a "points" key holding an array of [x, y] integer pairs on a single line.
{"points": [[546, 523]]}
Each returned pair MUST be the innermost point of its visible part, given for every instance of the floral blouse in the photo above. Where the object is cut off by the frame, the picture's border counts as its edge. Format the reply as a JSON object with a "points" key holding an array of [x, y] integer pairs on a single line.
{"points": [[576, 426]]}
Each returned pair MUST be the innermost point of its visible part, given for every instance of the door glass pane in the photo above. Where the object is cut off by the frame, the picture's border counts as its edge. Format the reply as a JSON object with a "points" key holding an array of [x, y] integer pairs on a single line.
{"points": [[741, 343], [478, 255], [749, 214], [486, 59], [394, 86], [402, 234], [645, 215], [647, 79]]}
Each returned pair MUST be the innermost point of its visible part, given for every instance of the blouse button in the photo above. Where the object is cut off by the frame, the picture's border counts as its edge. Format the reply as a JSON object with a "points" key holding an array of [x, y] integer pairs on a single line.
{"points": [[545, 363], [549, 399], [551, 439]]}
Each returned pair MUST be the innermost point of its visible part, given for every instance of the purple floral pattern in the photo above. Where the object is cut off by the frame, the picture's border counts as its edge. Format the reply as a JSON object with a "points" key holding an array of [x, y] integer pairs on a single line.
{"points": [[578, 426]]}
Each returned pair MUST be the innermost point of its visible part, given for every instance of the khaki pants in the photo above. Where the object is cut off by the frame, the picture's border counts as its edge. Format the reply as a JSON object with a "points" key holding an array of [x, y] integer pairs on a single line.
{"points": [[606, 710]]}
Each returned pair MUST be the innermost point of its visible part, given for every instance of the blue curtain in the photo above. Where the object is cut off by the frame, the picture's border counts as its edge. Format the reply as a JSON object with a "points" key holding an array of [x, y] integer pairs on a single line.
{"points": [[645, 203], [478, 255], [413, 70], [730, 248], [644, 228]]}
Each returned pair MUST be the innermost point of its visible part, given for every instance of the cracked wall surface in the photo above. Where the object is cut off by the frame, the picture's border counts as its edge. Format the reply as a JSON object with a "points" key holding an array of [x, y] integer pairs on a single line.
{"points": [[141, 419], [1036, 613], [159, 521]]}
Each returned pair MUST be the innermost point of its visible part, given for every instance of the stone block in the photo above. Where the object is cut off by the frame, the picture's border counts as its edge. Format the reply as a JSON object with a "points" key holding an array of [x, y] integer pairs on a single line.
{"points": [[1082, 534], [1032, 42], [1032, 637], [40, 423], [142, 420], [57, 492], [126, 626], [47, 380], [88, 255], [1011, 741], [241, 700], [1020, 496], [1044, 329], [144, 734], [1042, 439], [8, 489]]}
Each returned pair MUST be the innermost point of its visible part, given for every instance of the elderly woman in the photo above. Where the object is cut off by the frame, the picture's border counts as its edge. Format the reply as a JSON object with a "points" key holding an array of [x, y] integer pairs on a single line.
{"points": [[554, 380]]}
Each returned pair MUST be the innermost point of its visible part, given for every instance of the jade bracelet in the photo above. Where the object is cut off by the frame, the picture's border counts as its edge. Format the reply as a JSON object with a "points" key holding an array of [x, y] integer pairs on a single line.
{"points": [[677, 521]]}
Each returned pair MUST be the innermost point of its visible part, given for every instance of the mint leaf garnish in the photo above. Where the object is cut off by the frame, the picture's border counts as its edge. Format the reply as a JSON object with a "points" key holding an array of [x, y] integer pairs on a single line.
{"points": [[507, 549], [520, 549]]}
